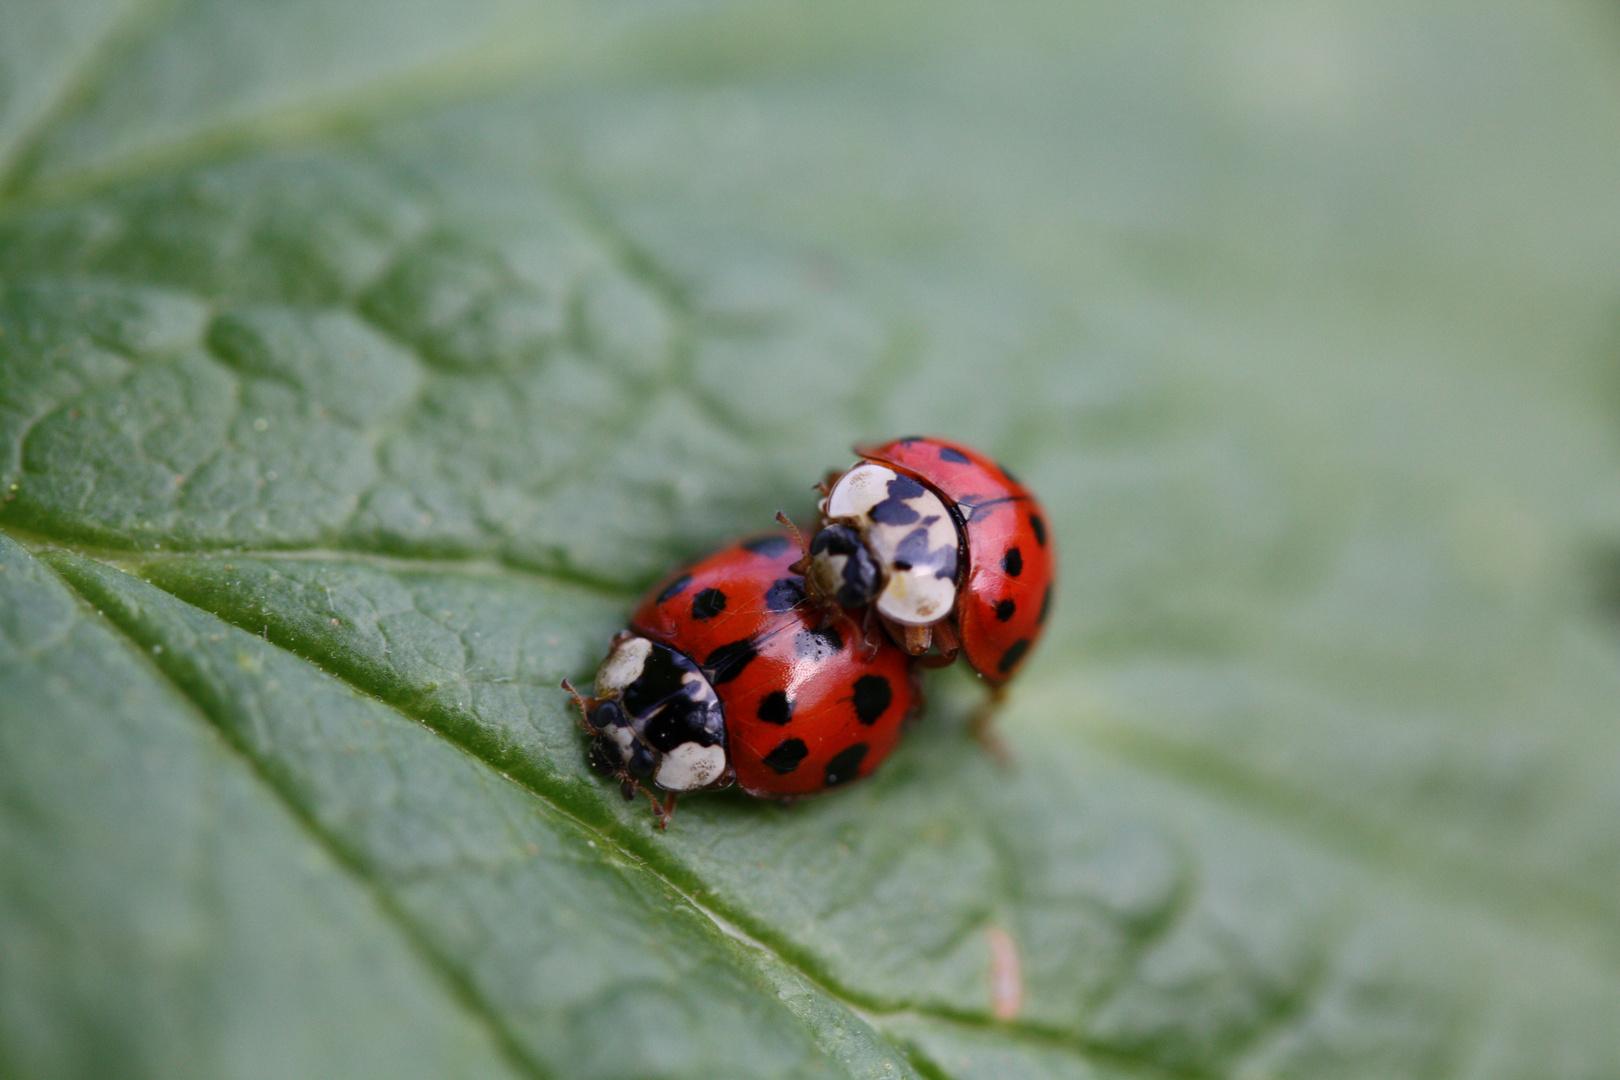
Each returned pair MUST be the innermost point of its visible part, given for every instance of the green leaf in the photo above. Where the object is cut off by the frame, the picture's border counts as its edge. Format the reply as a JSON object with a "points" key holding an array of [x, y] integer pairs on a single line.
{"points": [[361, 360]]}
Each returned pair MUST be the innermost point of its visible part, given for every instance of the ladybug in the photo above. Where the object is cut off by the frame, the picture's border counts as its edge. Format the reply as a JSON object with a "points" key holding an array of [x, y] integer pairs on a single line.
{"points": [[950, 551], [728, 675]]}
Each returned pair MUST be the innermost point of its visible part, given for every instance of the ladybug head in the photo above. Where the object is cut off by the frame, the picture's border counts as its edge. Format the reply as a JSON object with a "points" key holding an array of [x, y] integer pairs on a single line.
{"points": [[842, 568], [656, 719]]}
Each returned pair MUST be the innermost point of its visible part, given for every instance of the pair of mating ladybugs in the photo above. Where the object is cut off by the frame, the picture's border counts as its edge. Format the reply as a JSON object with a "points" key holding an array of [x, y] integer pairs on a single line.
{"points": [[789, 669]]}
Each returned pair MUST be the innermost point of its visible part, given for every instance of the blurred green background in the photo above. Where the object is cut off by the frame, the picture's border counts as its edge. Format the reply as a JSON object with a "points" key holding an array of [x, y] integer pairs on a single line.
{"points": [[360, 361]]}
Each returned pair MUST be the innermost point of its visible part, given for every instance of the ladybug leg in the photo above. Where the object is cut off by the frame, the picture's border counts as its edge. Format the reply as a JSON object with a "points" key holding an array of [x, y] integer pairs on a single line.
{"points": [[946, 640], [916, 639], [832, 615], [663, 810], [946, 646], [871, 634], [981, 726]]}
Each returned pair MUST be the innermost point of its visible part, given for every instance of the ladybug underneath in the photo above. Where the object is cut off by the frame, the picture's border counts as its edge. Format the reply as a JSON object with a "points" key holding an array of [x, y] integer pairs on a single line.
{"points": [[727, 674], [949, 550]]}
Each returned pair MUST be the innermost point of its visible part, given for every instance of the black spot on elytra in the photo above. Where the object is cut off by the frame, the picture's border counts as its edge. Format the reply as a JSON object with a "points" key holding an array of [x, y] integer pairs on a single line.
{"points": [[818, 645], [1046, 606], [872, 698], [708, 603], [1015, 652], [1005, 609], [675, 588], [787, 755], [947, 453], [1013, 562], [845, 765], [728, 661], [769, 545], [775, 708], [785, 594], [1038, 526]]}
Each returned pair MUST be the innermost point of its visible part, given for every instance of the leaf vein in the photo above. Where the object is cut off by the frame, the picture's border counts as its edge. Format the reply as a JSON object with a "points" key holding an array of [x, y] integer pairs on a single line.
{"points": [[459, 987], [734, 924], [125, 34]]}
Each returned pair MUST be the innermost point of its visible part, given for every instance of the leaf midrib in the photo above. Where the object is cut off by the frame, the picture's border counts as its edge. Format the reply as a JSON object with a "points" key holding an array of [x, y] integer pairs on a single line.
{"points": [[460, 989], [1316, 822], [613, 845]]}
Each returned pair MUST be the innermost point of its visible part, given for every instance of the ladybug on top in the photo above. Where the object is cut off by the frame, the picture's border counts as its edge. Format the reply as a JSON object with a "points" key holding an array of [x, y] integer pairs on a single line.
{"points": [[942, 546]]}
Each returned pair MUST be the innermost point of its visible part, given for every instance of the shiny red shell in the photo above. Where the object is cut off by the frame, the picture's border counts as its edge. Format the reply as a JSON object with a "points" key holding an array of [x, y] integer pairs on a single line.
{"points": [[1006, 592], [804, 711]]}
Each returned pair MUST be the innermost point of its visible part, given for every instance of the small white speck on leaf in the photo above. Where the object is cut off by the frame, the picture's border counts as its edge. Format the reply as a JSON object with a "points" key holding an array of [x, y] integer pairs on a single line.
{"points": [[261, 424]]}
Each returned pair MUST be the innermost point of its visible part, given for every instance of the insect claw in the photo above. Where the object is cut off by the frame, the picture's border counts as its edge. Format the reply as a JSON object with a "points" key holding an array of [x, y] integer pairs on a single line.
{"points": [[663, 810]]}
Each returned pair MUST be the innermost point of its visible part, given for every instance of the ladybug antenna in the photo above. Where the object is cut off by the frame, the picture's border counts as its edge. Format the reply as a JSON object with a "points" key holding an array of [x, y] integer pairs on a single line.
{"points": [[584, 709], [804, 550]]}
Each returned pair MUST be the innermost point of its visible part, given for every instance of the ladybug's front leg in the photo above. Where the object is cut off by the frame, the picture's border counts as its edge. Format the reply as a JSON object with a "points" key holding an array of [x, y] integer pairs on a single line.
{"points": [[872, 634], [663, 810], [833, 615], [943, 651], [946, 639]]}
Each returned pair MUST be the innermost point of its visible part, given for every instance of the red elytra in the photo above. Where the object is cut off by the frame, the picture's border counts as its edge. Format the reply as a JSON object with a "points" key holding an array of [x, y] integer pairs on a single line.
{"points": [[1005, 587], [806, 708]]}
